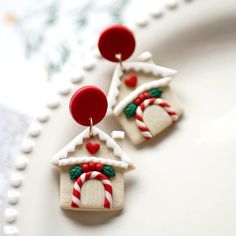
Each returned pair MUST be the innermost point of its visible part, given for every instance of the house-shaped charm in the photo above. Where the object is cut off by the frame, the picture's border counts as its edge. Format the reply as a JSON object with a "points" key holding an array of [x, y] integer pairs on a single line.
{"points": [[141, 99], [92, 171]]}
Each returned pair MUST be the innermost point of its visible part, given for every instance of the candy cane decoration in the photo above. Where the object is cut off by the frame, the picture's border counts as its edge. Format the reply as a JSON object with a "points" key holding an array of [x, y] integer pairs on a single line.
{"points": [[140, 110], [92, 175]]}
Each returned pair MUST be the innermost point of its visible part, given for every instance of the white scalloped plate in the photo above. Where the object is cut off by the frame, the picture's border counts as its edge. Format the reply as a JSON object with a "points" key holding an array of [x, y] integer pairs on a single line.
{"points": [[184, 181]]}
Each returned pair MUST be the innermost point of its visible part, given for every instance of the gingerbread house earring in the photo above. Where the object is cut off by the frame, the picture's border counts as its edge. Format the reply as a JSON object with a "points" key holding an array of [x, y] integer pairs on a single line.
{"points": [[92, 165], [139, 95]]}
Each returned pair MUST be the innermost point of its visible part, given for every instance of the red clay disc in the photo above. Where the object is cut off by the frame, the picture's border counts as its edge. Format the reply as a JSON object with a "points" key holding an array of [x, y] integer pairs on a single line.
{"points": [[116, 39], [88, 102]]}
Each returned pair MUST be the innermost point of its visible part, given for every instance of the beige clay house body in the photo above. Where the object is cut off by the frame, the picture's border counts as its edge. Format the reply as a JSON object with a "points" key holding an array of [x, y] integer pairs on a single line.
{"points": [[155, 114], [93, 191]]}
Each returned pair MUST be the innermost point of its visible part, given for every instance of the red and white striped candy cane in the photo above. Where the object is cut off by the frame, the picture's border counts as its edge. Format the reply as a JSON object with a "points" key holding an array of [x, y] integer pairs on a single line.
{"points": [[146, 103], [92, 175]]}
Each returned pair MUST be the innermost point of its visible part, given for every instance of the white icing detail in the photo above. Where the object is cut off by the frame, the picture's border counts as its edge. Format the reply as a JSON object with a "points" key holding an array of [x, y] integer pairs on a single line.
{"points": [[105, 161], [10, 215], [144, 57], [82, 177], [77, 75], [76, 200], [106, 181], [114, 88], [53, 102], [64, 89], [118, 134], [108, 195], [27, 146], [172, 4], [35, 130], [148, 68], [140, 123], [13, 197], [157, 12], [109, 111], [78, 140], [175, 117], [153, 84], [142, 21], [21, 162], [147, 134], [10, 231], [94, 175], [76, 187], [44, 116], [16, 180], [89, 64]]}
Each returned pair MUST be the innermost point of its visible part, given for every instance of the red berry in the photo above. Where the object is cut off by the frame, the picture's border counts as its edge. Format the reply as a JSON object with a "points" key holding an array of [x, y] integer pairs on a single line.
{"points": [[146, 95], [91, 166], [141, 96], [99, 167], [137, 101], [85, 167]]}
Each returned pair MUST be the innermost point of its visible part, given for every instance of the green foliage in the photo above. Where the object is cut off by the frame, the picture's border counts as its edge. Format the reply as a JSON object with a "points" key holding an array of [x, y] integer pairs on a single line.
{"points": [[109, 171], [75, 172], [130, 110], [155, 92]]}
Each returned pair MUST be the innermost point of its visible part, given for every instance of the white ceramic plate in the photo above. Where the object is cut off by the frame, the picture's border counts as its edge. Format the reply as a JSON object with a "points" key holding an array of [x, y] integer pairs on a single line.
{"points": [[185, 179]]}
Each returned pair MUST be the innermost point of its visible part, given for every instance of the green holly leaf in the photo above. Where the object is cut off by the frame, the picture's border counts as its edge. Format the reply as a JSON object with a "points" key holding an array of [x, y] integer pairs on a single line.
{"points": [[75, 172], [130, 110], [155, 92], [109, 171]]}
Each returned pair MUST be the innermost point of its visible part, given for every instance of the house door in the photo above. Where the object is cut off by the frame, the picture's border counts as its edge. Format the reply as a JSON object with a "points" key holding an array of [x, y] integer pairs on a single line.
{"points": [[92, 194], [156, 119]]}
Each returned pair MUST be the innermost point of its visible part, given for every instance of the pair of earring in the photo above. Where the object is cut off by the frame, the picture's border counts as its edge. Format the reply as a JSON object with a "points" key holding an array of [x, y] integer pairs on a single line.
{"points": [[143, 103]]}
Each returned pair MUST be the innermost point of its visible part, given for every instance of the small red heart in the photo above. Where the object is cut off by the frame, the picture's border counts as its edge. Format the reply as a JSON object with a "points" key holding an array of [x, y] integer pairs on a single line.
{"points": [[92, 147], [131, 80]]}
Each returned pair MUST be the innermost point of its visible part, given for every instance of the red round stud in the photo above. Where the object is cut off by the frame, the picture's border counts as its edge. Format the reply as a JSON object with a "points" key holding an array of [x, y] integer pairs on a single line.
{"points": [[114, 40], [88, 102]]}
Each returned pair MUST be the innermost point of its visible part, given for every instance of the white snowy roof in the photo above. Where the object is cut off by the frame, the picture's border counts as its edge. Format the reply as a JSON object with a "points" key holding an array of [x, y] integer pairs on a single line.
{"points": [[61, 158], [87, 159], [149, 68], [144, 87]]}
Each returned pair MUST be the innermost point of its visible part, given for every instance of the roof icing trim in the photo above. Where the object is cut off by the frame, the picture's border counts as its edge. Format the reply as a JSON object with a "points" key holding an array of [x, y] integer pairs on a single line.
{"points": [[153, 84], [78, 140], [148, 68], [87, 159]]}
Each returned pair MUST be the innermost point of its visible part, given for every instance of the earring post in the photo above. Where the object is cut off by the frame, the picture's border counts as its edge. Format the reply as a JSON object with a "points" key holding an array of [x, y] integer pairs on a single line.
{"points": [[91, 126], [118, 56]]}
